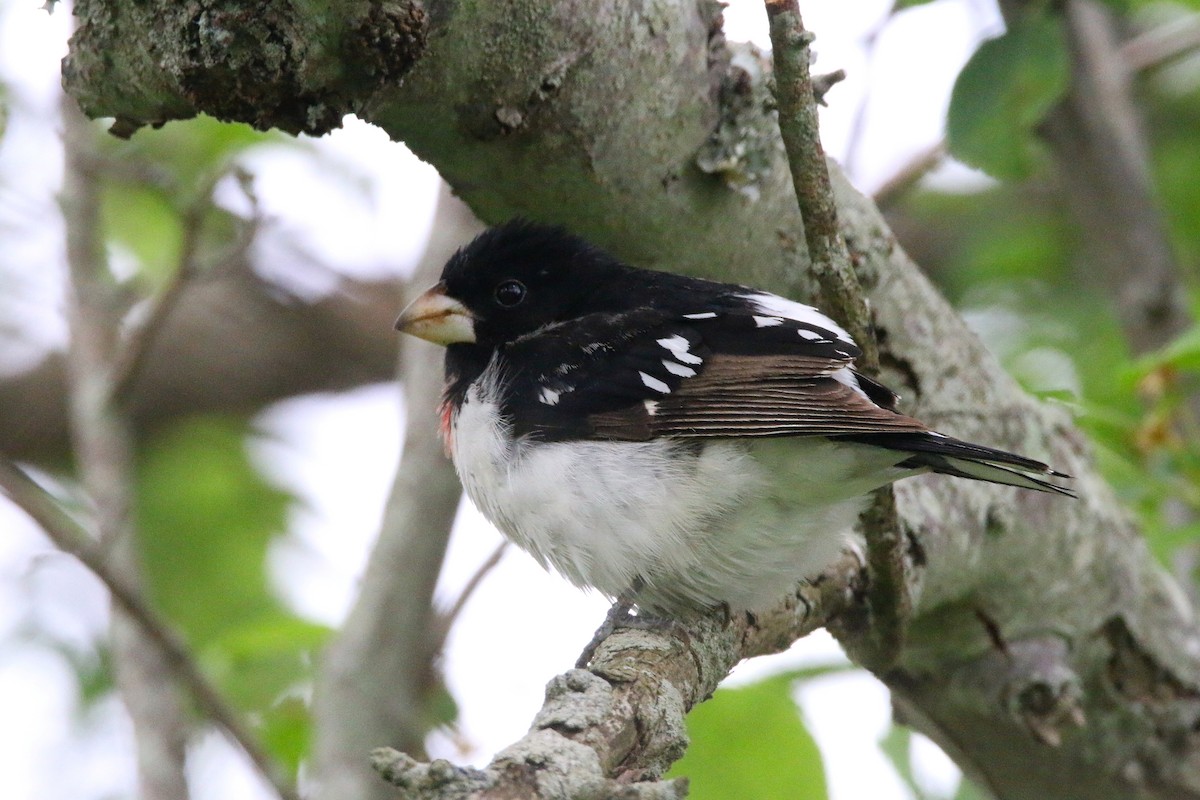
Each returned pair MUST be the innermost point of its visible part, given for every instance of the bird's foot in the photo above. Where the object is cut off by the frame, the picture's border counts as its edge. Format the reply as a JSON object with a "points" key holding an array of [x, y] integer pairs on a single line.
{"points": [[620, 614]]}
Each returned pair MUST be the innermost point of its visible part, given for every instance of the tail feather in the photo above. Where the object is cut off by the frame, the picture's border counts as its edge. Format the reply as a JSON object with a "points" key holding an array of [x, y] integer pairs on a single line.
{"points": [[949, 456]]}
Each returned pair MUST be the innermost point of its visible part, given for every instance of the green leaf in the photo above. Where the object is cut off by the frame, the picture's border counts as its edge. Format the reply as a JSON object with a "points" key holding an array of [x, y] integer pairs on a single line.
{"points": [[900, 5], [1002, 94], [205, 520], [206, 517], [1182, 354], [143, 220], [897, 746], [750, 743], [287, 731], [968, 791]]}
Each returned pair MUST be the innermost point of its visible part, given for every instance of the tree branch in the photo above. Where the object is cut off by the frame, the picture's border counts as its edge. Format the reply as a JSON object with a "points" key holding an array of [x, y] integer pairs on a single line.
{"points": [[138, 342], [203, 359], [1163, 44], [69, 536], [612, 730], [1095, 136], [103, 450]]}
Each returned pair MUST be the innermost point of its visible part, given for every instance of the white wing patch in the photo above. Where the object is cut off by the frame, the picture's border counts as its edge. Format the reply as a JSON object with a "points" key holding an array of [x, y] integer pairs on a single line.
{"points": [[767, 322], [811, 335], [654, 383], [678, 369], [679, 348], [776, 306], [846, 377], [701, 315], [549, 396]]}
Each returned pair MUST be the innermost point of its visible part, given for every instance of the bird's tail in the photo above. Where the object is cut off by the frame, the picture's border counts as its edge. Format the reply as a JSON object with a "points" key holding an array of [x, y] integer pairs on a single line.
{"points": [[949, 456]]}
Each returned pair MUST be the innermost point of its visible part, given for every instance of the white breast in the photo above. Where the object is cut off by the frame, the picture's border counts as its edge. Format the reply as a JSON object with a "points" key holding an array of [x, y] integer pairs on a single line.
{"points": [[697, 524]]}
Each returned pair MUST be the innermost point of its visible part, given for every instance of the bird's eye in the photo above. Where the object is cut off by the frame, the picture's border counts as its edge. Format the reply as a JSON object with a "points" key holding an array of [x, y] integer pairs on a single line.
{"points": [[510, 292]]}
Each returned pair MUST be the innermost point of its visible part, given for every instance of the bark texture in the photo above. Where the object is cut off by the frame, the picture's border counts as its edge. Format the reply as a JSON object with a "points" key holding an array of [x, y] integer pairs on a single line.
{"points": [[1046, 651]]}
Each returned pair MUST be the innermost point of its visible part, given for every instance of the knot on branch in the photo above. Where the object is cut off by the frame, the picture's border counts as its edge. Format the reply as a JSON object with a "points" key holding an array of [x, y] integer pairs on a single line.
{"points": [[1044, 694], [438, 778], [575, 700], [743, 148], [386, 44]]}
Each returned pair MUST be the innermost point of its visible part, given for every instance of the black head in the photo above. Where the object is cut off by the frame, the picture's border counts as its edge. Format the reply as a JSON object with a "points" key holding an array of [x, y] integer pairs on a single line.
{"points": [[521, 276]]}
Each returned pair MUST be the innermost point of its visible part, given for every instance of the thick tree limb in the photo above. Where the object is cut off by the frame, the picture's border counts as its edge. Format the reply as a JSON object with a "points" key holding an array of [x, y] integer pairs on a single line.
{"points": [[232, 344], [591, 116]]}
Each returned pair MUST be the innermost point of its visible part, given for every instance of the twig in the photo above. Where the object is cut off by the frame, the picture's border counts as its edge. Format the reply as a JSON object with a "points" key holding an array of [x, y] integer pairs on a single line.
{"points": [[446, 620], [810, 176], [1162, 44], [909, 175], [798, 124], [374, 685], [131, 358], [71, 537]]}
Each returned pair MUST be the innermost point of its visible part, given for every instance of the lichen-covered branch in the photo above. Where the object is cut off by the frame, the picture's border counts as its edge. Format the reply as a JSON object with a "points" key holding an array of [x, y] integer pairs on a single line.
{"points": [[612, 730], [289, 65]]}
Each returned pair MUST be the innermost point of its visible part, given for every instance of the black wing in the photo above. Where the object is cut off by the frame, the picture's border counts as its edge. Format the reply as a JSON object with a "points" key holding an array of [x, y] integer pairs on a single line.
{"points": [[650, 373]]}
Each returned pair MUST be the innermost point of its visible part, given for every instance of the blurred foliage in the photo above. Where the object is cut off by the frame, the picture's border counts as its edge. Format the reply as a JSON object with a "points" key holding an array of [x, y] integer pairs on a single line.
{"points": [[1004, 91], [158, 189], [206, 519], [1008, 256], [750, 743]]}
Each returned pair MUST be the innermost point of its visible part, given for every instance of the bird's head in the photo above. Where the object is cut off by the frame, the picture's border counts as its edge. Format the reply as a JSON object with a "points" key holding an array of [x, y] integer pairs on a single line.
{"points": [[510, 281]]}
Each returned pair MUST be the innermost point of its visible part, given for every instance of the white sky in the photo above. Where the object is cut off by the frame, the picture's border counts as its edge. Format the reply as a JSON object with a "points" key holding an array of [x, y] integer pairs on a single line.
{"points": [[339, 452]]}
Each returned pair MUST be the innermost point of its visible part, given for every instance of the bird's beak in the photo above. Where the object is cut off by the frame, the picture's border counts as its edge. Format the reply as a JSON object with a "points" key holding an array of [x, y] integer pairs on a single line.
{"points": [[438, 318]]}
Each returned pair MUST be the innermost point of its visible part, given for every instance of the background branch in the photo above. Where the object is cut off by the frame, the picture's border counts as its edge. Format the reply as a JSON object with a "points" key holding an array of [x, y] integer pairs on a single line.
{"points": [[103, 448], [69, 536], [377, 677], [205, 358]]}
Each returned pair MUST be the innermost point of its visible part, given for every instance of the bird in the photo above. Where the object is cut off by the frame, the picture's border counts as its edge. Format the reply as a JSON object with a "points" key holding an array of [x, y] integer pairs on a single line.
{"points": [[676, 443]]}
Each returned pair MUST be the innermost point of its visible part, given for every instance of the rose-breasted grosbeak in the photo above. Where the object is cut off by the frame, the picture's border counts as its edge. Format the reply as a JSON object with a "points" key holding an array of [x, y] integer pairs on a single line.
{"points": [[690, 442]]}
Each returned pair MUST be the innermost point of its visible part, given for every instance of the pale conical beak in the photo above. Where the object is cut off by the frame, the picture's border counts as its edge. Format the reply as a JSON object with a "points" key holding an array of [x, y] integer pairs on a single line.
{"points": [[437, 318]]}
